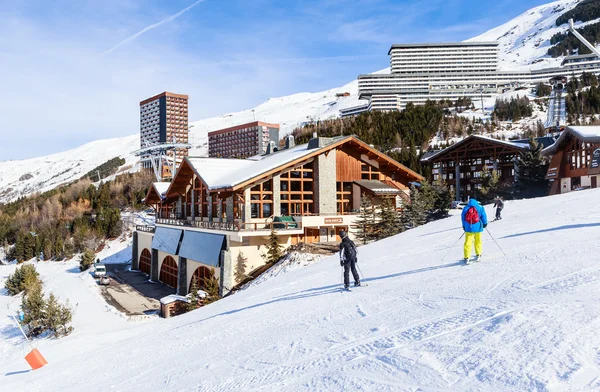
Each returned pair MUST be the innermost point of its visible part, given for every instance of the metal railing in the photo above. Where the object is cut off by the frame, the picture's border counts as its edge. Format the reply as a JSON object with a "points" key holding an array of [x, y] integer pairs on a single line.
{"points": [[232, 226]]}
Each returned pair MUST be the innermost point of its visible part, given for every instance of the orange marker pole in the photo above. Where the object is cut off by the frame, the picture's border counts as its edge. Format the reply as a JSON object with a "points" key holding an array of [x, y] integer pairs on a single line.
{"points": [[35, 359]]}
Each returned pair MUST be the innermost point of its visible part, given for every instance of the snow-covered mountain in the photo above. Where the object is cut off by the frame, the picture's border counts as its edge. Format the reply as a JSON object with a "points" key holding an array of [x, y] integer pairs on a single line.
{"points": [[525, 321], [524, 42]]}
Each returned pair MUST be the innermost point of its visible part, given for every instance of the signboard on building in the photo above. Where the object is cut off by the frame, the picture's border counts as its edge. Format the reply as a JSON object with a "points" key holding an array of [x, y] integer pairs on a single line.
{"points": [[595, 159], [333, 221]]}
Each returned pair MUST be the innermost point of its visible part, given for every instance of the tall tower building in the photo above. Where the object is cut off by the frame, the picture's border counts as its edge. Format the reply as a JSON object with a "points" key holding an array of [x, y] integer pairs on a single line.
{"points": [[164, 119]]}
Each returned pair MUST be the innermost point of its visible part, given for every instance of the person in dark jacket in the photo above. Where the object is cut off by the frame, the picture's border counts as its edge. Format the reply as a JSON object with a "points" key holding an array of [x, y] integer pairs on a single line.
{"points": [[348, 259], [474, 220], [499, 204]]}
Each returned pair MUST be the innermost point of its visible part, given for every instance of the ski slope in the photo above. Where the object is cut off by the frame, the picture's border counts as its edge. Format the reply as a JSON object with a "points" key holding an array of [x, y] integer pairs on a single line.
{"points": [[526, 321], [525, 40]]}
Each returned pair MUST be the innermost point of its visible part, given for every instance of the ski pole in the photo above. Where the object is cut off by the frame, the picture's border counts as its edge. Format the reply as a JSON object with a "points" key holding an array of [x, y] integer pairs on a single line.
{"points": [[495, 241], [461, 236], [362, 276]]}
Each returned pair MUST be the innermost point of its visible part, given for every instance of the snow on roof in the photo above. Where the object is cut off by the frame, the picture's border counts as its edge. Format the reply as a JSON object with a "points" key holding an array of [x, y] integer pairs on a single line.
{"points": [[223, 173], [486, 138], [161, 187], [376, 186], [587, 133]]}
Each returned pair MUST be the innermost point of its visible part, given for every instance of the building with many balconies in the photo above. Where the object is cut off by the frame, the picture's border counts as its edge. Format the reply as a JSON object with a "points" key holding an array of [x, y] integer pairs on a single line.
{"points": [[164, 119], [243, 141]]}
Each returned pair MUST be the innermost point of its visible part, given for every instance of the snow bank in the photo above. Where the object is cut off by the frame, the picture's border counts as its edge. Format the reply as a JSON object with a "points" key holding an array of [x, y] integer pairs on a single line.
{"points": [[525, 321]]}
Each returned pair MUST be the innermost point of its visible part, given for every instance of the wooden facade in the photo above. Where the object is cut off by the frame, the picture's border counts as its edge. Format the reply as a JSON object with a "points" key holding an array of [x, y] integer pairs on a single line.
{"points": [[575, 160], [246, 205], [462, 165]]}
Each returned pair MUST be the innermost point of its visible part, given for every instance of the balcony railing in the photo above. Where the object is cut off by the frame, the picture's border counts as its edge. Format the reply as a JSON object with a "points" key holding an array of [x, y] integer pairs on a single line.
{"points": [[232, 226]]}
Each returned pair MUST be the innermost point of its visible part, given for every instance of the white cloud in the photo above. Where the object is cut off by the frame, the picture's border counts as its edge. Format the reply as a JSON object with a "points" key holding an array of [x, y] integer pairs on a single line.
{"points": [[153, 26]]}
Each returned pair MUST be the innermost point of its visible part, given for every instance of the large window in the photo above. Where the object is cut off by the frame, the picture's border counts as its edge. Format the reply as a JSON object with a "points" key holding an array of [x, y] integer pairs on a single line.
{"points": [[344, 197], [261, 200], [369, 172], [296, 191]]}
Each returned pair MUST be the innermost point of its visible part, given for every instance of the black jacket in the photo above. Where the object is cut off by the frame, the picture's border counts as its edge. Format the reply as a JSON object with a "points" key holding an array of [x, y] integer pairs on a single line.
{"points": [[347, 249]]}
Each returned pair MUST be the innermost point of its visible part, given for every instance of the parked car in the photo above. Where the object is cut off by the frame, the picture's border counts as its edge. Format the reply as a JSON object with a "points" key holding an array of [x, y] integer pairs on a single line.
{"points": [[458, 204], [105, 280], [99, 270]]}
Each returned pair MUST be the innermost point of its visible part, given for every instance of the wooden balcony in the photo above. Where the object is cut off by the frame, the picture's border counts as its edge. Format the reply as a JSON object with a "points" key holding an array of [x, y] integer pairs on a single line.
{"points": [[232, 226]]}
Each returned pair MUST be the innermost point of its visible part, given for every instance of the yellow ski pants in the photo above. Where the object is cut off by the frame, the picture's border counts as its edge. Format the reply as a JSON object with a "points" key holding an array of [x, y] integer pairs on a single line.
{"points": [[469, 240]]}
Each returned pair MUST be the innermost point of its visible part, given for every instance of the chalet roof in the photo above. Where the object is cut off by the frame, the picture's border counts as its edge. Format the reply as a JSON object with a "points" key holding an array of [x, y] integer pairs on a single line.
{"points": [[586, 133], [377, 187], [219, 173], [544, 141], [157, 191], [513, 144], [161, 187]]}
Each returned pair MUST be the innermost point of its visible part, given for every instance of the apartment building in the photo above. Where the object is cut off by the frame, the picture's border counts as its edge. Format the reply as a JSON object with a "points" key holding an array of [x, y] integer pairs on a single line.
{"points": [[164, 119], [242, 141], [449, 71], [216, 209]]}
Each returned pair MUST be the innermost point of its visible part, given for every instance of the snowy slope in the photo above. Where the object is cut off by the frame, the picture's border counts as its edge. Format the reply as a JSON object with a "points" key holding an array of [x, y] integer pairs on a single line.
{"points": [[525, 40], [23, 177], [529, 320]]}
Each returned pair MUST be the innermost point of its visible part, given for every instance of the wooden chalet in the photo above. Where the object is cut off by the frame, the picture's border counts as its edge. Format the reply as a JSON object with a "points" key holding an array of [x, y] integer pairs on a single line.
{"points": [[575, 159], [216, 210], [461, 165]]}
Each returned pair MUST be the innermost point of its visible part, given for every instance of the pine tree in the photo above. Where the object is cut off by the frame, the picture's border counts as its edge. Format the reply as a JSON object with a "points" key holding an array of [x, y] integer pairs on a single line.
{"points": [[57, 317], [531, 179], [33, 307], [490, 185], [388, 219], [25, 278], [274, 250], [365, 221], [415, 214], [194, 297], [240, 267], [211, 286], [86, 260]]}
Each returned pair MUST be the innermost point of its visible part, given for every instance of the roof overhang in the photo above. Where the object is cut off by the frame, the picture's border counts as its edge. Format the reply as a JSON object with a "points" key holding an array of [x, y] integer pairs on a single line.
{"points": [[516, 147]]}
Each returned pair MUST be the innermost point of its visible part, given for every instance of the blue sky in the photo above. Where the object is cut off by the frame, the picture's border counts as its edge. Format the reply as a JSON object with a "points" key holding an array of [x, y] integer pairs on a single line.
{"points": [[75, 71]]}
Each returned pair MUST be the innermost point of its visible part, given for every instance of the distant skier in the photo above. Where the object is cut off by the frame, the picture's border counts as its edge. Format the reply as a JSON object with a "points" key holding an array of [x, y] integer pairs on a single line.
{"points": [[499, 205], [348, 259], [474, 220]]}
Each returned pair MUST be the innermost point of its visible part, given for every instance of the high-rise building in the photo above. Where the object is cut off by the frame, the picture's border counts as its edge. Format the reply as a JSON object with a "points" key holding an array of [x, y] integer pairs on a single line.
{"points": [[163, 120], [242, 141], [452, 71]]}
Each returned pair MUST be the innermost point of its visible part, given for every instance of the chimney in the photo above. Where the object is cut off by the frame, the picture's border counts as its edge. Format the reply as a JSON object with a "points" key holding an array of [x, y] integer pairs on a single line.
{"points": [[290, 142], [271, 148]]}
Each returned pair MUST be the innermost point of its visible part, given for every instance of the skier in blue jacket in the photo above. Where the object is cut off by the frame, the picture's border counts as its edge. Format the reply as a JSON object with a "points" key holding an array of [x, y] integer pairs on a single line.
{"points": [[474, 220]]}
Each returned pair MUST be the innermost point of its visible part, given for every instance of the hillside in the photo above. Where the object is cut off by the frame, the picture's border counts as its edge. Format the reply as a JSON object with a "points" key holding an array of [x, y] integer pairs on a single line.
{"points": [[525, 321], [524, 42]]}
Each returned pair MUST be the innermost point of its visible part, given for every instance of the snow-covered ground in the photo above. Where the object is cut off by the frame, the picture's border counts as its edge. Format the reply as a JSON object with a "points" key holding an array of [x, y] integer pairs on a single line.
{"points": [[526, 321], [525, 40]]}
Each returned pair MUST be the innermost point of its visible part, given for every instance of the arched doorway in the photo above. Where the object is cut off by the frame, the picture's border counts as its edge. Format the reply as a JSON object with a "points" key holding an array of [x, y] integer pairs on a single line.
{"points": [[145, 261], [168, 272], [200, 275]]}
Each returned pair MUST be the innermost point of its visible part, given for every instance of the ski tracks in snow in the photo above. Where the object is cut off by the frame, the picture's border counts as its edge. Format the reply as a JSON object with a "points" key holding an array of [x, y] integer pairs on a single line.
{"points": [[364, 349]]}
